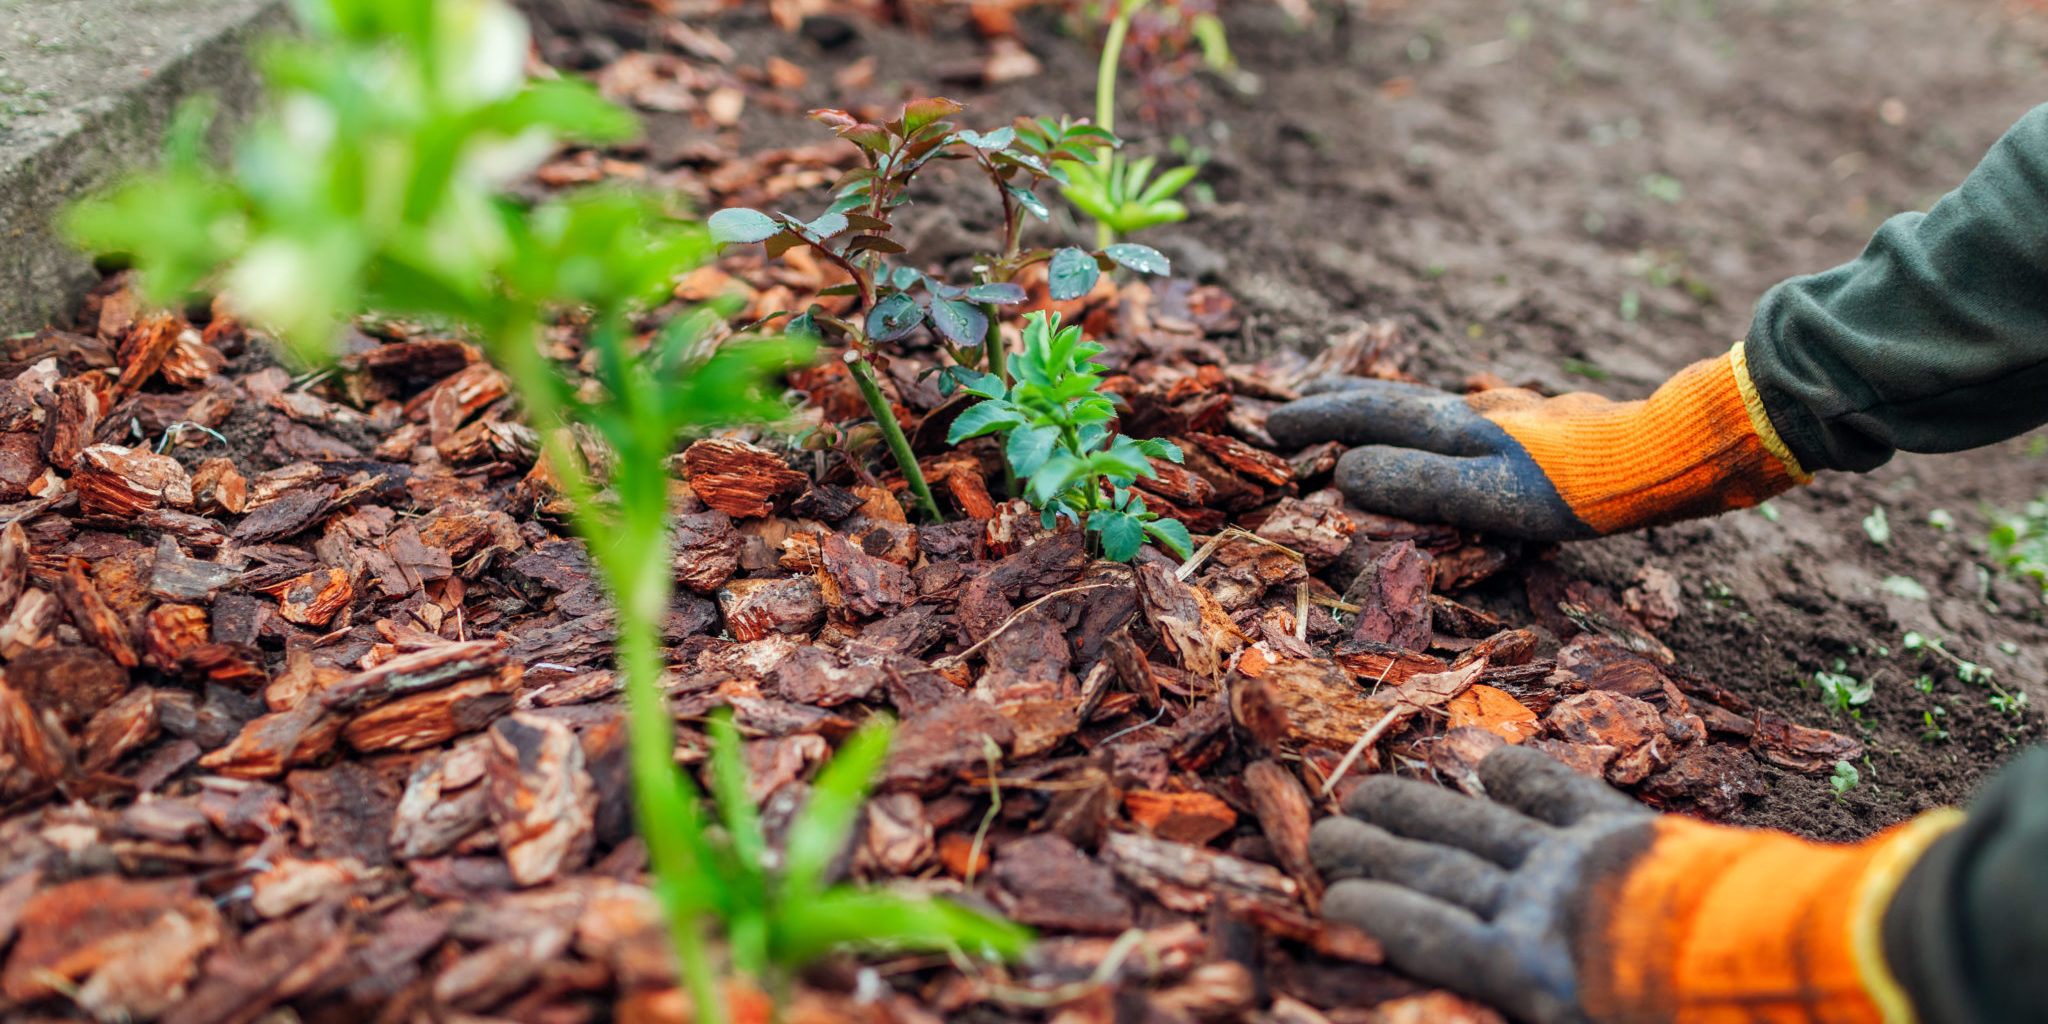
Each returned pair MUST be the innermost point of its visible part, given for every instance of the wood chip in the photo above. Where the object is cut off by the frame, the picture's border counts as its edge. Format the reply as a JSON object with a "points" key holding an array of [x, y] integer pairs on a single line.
{"points": [[740, 479], [540, 797]]}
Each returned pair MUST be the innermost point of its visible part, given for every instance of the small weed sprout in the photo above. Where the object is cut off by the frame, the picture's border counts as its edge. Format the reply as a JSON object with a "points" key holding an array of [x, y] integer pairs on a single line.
{"points": [[1933, 731], [1844, 692], [1844, 779], [379, 183], [895, 301], [1878, 527], [2019, 543], [1055, 425]]}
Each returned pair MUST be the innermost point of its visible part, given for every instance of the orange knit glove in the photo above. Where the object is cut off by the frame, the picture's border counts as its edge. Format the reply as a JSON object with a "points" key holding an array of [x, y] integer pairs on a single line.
{"points": [[1510, 461], [1568, 903]]}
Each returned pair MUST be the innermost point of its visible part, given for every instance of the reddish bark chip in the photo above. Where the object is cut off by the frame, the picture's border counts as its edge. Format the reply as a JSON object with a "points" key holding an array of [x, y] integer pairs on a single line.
{"points": [[78, 931], [934, 748], [72, 683], [540, 797], [1284, 812], [794, 606], [1800, 748], [740, 479], [92, 615], [1319, 532], [1607, 665], [314, 598], [1496, 712], [116, 481], [1392, 595], [1044, 881], [960, 857], [859, 585], [1246, 461], [1194, 818], [707, 551], [1632, 727], [1711, 780], [1377, 664]]}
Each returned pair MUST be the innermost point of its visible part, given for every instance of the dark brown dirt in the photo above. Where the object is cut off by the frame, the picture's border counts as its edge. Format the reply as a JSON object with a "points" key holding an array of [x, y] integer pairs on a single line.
{"points": [[1586, 196]]}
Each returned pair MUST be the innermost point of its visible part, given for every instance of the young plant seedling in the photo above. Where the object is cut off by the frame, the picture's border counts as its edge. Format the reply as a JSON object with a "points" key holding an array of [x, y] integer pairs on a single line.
{"points": [[895, 301], [378, 183], [1844, 779], [1055, 422], [2019, 543], [1845, 692], [1118, 193]]}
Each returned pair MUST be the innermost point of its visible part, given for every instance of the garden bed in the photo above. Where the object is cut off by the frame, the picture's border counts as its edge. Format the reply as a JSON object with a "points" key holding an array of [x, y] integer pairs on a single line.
{"points": [[315, 710]]}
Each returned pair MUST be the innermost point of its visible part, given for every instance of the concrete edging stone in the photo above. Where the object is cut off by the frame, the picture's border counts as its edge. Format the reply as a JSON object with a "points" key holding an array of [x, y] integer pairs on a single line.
{"points": [[87, 88]]}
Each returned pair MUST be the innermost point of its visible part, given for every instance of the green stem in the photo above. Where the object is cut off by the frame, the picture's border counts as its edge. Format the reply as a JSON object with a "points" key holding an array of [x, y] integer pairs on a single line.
{"points": [[993, 353], [1105, 98], [664, 802], [657, 784], [892, 431]]}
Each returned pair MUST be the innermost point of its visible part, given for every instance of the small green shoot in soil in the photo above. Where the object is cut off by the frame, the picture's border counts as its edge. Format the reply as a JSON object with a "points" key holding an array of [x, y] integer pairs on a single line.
{"points": [[1844, 692], [1933, 731], [1878, 527], [1055, 421], [1844, 779], [2019, 543], [1119, 193]]}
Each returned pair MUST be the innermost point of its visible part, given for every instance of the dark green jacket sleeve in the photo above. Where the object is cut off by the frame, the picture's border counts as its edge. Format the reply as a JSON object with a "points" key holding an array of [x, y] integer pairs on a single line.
{"points": [[1967, 933], [1935, 339]]}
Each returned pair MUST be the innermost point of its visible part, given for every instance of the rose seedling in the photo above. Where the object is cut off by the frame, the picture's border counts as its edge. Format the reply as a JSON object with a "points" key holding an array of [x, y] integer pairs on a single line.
{"points": [[895, 301]]}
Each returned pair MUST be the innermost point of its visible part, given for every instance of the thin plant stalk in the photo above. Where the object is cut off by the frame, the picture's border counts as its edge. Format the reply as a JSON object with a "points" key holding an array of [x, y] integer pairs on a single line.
{"points": [[1105, 95], [892, 431], [993, 354], [633, 556]]}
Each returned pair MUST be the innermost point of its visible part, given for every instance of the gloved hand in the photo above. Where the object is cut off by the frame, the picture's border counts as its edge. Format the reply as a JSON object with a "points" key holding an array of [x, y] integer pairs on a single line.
{"points": [[1565, 902], [1512, 462]]}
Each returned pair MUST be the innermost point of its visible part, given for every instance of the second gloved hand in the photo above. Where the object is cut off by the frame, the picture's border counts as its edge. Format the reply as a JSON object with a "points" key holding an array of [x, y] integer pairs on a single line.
{"points": [[1561, 901], [1515, 463]]}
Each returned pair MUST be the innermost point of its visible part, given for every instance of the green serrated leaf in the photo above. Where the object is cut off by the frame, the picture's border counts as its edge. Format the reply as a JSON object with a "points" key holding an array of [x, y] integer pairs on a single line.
{"points": [[742, 226], [1174, 535], [984, 418], [1072, 274], [997, 139], [975, 382], [828, 225], [1122, 535], [1030, 201], [1029, 447], [917, 114], [1161, 448], [1142, 258]]}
